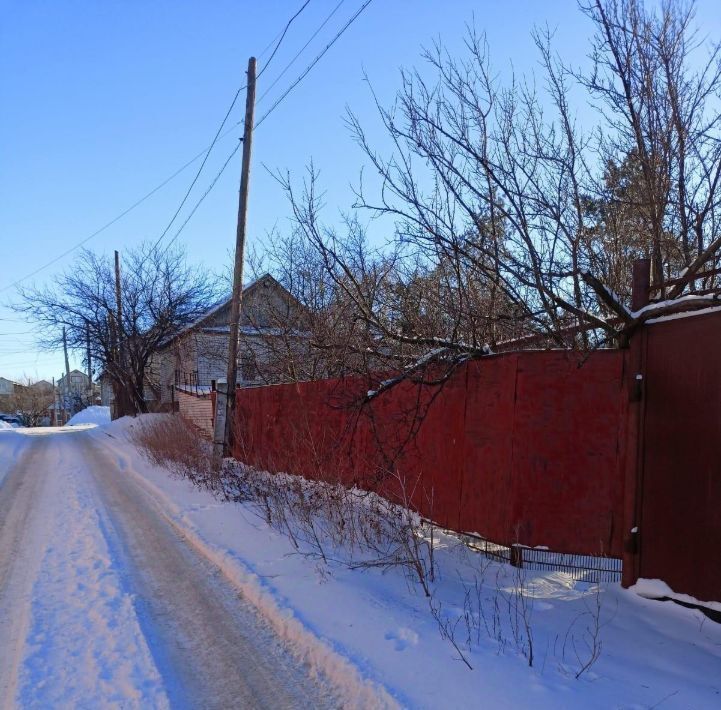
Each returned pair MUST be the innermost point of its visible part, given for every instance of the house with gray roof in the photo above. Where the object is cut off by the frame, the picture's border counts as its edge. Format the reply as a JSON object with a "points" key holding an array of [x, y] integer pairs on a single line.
{"points": [[195, 358]]}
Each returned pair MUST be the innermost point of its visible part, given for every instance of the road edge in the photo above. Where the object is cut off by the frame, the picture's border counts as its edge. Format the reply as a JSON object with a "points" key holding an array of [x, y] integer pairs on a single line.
{"points": [[306, 646]]}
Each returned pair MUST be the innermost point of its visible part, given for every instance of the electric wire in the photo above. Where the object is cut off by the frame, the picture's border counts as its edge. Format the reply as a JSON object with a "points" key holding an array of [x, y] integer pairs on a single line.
{"points": [[200, 168], [196, 177], [204, 154], [303, 74], [282, 36], [107, 225], [307, 70], [301, 50], [202, 197]]}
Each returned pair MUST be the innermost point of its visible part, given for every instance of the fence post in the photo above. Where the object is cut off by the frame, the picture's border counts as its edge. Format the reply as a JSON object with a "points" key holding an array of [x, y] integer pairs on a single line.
{"points": [[641, 284], [633, 488], [219, 423], [516, 558]]}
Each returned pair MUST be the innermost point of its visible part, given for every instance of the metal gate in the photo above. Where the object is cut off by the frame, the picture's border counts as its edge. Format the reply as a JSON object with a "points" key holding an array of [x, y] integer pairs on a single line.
{"points": [[680, 478]]}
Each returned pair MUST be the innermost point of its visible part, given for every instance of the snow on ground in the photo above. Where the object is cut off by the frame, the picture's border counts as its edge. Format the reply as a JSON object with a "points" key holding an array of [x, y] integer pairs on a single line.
{"points": [[5, 426], [11, 446], [658, 589], [71, 637], [653, 654], [91, 415]]}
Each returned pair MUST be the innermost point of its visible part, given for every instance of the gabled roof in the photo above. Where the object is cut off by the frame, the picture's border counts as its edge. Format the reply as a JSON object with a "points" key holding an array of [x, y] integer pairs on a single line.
{"points": [[76, 372], [198, 322]]}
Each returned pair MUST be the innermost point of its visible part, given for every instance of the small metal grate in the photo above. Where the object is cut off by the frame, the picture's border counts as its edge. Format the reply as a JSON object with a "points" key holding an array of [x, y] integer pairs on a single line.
{"points": [[586, 568]]}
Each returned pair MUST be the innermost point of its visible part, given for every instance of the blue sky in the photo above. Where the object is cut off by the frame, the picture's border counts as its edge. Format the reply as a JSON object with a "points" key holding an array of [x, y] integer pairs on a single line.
{"points": [[101, 101]]}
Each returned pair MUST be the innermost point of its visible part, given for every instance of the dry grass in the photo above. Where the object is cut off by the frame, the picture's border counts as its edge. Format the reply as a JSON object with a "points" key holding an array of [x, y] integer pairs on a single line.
{"points": [[323, 520], [176, 444], [360, 529], [349, 526]]}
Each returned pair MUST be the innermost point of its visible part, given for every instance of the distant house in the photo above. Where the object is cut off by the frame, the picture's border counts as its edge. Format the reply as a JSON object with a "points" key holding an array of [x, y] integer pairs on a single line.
{"points": [[195, 358], [8, 389], [78, 383], [30, 401]]}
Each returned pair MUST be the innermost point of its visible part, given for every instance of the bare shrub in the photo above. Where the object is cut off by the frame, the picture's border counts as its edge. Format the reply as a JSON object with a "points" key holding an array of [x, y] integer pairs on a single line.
{"points": [[520, 611], [495, 609], [353, 527], [358, 529], [448, 627], [176, 444], [582, 642]]}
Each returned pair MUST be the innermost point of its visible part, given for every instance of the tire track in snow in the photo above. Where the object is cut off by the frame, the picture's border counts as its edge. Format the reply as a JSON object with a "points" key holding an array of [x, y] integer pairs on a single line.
{"points": [[22, 542], [351, 688], [78, 642], [209, 644]]}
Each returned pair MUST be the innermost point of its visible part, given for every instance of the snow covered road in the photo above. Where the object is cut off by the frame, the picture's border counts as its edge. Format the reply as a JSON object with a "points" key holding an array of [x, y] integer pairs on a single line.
{"points": [[103, 603]]}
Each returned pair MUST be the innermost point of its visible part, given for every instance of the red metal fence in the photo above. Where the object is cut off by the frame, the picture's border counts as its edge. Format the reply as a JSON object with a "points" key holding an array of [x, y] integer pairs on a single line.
{"points": [[616, 454], [678, 483], [520, 448]]}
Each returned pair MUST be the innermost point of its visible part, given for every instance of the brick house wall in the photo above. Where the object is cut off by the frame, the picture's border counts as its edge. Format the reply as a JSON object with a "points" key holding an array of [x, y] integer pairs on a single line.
{"points": [[197, 409]]}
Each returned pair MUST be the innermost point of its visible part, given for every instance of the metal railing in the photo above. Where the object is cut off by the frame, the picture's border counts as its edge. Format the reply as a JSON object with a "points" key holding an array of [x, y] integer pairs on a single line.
{"points": [[586, 568]]}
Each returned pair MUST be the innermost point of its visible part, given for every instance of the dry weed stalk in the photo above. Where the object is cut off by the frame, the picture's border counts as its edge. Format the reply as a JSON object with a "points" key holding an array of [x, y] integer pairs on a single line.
{"points": [[360, 529], [175, 443]]}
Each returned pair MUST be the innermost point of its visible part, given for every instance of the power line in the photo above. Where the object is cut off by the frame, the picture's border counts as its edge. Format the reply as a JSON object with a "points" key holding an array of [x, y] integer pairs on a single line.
{"points": [[307, 70], [270, 44], [303, 74], [279, 41], [283, 33], [105, 226], [203, 196], [202, 165], [204, 154], [300, 51]]}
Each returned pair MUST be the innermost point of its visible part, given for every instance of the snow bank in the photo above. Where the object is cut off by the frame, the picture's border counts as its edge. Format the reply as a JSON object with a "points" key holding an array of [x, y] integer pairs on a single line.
{"points": [[91, 415], [373, 628], [658, 589], [318, 654], [5, 426]]}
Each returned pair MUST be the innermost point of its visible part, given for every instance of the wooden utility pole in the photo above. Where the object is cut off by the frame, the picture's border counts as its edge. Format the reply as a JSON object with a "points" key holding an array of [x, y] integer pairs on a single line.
{"points": [[90, 364], [118, 304], [121, 397], [67, 378], [237, 295]]}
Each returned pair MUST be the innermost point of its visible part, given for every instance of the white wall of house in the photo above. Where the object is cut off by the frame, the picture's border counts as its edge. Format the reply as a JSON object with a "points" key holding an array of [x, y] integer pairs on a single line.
{"points": [[199, 356], [7, 387], [78, 383]]}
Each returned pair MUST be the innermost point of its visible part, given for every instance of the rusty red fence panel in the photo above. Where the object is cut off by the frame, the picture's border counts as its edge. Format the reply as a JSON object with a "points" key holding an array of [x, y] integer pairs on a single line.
{"points": [[679, 509], [520, 447]]}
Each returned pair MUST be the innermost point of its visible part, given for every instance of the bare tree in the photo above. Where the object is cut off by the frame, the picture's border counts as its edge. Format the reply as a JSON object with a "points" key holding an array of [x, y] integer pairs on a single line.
{"points": [[160, 295], [507, 220], [659, 97], [32, 400]]}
